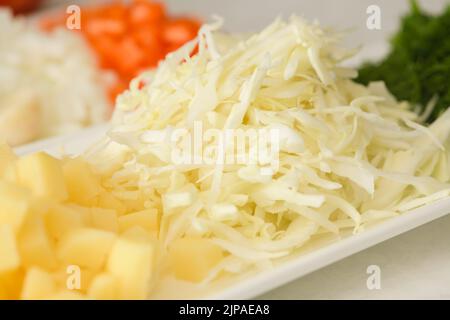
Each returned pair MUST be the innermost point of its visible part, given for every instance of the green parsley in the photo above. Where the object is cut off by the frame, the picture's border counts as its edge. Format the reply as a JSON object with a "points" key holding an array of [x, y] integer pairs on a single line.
{"points": [[418, 65]]}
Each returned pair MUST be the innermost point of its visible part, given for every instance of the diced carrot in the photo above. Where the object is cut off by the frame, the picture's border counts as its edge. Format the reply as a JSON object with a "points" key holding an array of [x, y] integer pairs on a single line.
{"points": [[128, 56], [51, 22], [178, 31], [21, 6], [115, 10], [104, 46], [142, 12], [129, 37], [105, 26], [150, 61], [148, 36]]}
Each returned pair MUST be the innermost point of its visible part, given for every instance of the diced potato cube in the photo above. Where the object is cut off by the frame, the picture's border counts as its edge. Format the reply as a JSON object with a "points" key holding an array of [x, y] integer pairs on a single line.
{"points": [[103, 287], [9, 255], [6, 154], [131, 262], [35, 246], [105, 219], [136, 204], [3, 293], [10, 174], [38, 284], [11, 284], [82, 184], [43, 175], [84, 212], [85, 247], [7, 158], [108, 201], [14, 204], [41, 206], [139, 234], [62, 218], [193, 258], [147, 219]]}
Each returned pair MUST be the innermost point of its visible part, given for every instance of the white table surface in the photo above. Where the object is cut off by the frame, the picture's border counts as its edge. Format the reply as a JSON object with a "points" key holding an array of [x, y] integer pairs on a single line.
{"points": [[415, 265]]}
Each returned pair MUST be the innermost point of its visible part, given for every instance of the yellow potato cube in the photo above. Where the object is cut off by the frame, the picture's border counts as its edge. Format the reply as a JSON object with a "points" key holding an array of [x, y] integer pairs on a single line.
{"points": [[131, 263], [193, 258], [6, 154], [11, 284], [136, 204], [38, 284], [43, 175], [35, 246], [14, 204], [85, 247], [10, 174], [40, 206], [140, 234], [82, 184], [84, 212], [108, 201], [3, 293], [7, 159], [62, 218], [105, 219], [103, 287], [147, 219], [9, 256]]}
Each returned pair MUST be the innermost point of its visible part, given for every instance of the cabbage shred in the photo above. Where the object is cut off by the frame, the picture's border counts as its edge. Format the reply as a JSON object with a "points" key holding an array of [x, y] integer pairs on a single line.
{"points": [[350, 156]]}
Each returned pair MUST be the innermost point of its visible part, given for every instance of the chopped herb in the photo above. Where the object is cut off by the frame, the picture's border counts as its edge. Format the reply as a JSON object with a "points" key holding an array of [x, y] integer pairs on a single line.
{"points": [[418, 65]]}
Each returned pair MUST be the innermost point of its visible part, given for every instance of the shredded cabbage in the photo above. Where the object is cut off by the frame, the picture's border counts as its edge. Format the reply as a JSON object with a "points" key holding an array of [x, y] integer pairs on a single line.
{"points": [[350, 156]]}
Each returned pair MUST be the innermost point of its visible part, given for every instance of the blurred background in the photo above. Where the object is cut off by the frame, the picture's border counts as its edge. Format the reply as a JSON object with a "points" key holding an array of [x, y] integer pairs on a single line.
{"points": [[55, 81], [251, 15]]}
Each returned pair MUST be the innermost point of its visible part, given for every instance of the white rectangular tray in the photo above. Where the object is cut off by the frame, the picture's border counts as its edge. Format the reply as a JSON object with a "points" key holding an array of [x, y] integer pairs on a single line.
{"points": [[250, 286]]}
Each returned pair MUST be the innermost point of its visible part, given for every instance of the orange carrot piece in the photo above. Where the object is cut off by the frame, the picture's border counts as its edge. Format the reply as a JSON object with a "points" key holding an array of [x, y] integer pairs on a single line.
{"points": [[178, 31], [143, 12]]}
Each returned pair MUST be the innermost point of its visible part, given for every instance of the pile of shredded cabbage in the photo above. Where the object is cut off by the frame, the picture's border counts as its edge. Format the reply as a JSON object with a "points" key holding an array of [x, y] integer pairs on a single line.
{"points": [[56, 70], [350, 156]]}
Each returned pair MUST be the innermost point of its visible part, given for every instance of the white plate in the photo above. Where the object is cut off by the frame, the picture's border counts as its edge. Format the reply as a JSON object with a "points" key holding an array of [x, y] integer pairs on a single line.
{"points": [[251, 285], [71, 144]]}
